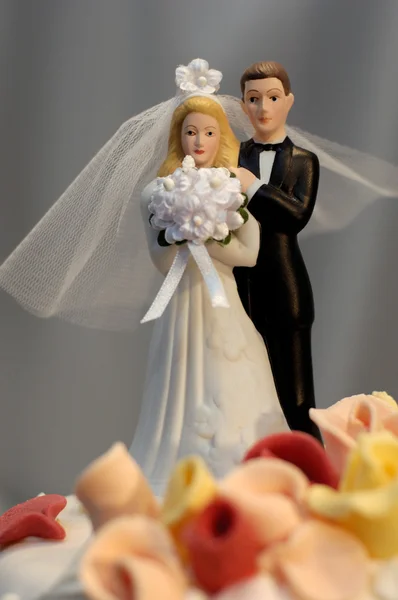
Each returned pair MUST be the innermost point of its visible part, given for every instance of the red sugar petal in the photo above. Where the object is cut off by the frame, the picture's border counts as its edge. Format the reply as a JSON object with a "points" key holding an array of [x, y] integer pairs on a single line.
{"points": [[299, 449], [222, 546]]}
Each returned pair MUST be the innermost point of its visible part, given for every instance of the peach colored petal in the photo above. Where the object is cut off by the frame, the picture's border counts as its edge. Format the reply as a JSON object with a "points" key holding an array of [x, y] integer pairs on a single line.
{"points": [[344, 407], [363, 417], [341, 423], [273, 516], [262, 587], [195, 594], [131, 558], [144, 579], [340, 413], [113, 485], [263, 476], [390, 423], [370, 414], [319, 556], [269, 492], [333, 423], [267, 561]]}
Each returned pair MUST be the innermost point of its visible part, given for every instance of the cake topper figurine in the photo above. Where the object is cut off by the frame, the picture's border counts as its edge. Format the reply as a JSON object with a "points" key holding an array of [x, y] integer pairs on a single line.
{"points": [[281, 183], [86, 261], [140, 203]]}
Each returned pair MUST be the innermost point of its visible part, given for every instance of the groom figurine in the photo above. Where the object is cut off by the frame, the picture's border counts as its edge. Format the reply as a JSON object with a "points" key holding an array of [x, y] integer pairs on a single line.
{"points": [[281, 182]]}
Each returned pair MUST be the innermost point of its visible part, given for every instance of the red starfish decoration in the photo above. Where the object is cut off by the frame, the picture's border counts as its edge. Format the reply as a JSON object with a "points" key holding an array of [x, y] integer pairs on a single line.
{"points": [[33, 518]]}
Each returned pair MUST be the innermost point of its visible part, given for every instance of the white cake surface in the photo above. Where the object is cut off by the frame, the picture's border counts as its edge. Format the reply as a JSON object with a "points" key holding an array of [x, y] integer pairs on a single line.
{"points": [[36, 569]]}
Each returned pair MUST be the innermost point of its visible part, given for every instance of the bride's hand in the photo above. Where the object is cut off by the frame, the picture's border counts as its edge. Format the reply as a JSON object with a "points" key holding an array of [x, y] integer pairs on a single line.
{"points": [[245, 177]]}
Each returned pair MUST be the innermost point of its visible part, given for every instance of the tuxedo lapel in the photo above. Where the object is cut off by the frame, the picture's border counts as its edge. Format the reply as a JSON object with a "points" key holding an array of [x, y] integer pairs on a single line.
{"points": [[249, 159], [282, 164]]}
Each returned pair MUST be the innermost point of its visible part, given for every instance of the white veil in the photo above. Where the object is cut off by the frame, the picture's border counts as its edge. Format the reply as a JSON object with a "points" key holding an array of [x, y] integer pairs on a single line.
{"points": [[87, 261]]}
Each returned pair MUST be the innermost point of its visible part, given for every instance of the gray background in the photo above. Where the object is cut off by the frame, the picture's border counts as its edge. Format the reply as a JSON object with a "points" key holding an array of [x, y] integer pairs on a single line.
{"points": [[70, 74]]}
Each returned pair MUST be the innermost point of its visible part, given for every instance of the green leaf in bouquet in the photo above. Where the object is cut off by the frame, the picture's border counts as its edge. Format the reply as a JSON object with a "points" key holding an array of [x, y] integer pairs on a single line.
{"points": [[244, 214], [226, 240], [162, 239], [245, 201], [232, 174]]}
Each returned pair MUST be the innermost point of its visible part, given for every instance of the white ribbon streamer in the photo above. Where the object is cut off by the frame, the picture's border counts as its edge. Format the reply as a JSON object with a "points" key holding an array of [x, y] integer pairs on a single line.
{"points": [[212, 279]]}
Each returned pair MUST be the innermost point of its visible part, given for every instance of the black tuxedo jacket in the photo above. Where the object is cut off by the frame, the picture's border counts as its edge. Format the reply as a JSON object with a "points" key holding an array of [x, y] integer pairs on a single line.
{"points": [[277, 291]]}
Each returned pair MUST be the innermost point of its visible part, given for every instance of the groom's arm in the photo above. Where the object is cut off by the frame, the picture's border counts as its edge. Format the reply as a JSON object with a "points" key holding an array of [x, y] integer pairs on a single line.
{"points": [[289, 211]]}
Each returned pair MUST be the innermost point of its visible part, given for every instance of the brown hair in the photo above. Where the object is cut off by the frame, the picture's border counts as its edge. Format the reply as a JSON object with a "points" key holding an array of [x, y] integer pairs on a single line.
{"points": [[228, 151], [264, 70]]}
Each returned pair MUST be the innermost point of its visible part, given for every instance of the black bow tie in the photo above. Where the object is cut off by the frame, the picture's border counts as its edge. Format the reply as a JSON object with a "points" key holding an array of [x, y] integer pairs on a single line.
{"points": [[266, 147]]}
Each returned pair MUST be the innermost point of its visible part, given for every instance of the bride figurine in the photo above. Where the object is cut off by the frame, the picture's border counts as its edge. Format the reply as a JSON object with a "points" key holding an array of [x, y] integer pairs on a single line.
{"points": [[209, 389]]}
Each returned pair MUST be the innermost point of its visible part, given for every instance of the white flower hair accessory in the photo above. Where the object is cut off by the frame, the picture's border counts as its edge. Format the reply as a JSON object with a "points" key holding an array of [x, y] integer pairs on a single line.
{"points": [[197, 77]]}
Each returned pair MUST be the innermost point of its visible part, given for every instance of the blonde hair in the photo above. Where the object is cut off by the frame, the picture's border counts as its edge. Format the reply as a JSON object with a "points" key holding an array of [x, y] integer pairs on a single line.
{"points": [[228, 151]]}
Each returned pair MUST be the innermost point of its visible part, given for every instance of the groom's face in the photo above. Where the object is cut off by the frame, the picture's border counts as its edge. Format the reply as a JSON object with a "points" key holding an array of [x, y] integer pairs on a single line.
{"points": [[267, 106]]}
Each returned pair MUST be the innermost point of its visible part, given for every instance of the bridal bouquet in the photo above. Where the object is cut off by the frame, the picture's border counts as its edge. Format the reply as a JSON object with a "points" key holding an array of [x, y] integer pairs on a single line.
{"points": [[189, 208], [197, 205]]}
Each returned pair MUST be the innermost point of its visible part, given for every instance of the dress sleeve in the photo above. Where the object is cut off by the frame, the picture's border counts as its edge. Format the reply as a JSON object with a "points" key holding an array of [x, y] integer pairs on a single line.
{"points": [[242, 251]]}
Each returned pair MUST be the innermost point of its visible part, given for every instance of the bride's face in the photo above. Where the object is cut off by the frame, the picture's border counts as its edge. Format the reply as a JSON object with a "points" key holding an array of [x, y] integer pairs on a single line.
{"points": [[200, 138]]}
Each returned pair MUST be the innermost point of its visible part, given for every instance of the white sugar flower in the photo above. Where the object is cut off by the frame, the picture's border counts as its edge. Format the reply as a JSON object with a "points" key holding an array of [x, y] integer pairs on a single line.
{"points": [[188, 163], [219, 177], [162, 214], [234, 220], [196, 205], [198, 229], [237, 201], [182, 179], [186, 207], [161, 205], [197, 77], [228, 198], [201, 184], [221, 231], [168, 184], [173, 233]]}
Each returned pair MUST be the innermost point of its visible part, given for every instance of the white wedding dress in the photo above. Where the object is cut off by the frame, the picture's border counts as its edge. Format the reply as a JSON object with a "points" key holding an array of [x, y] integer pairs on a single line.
{"points": [[209, 387]]}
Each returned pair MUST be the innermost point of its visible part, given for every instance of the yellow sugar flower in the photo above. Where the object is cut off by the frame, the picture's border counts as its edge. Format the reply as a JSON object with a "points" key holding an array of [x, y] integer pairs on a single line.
{"points": [[190, 489], [366, 502], [389, 399]]}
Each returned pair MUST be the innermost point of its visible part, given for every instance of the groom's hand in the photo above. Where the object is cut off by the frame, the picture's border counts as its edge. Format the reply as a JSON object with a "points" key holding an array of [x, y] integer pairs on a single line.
{"points": [[245, 177]]}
